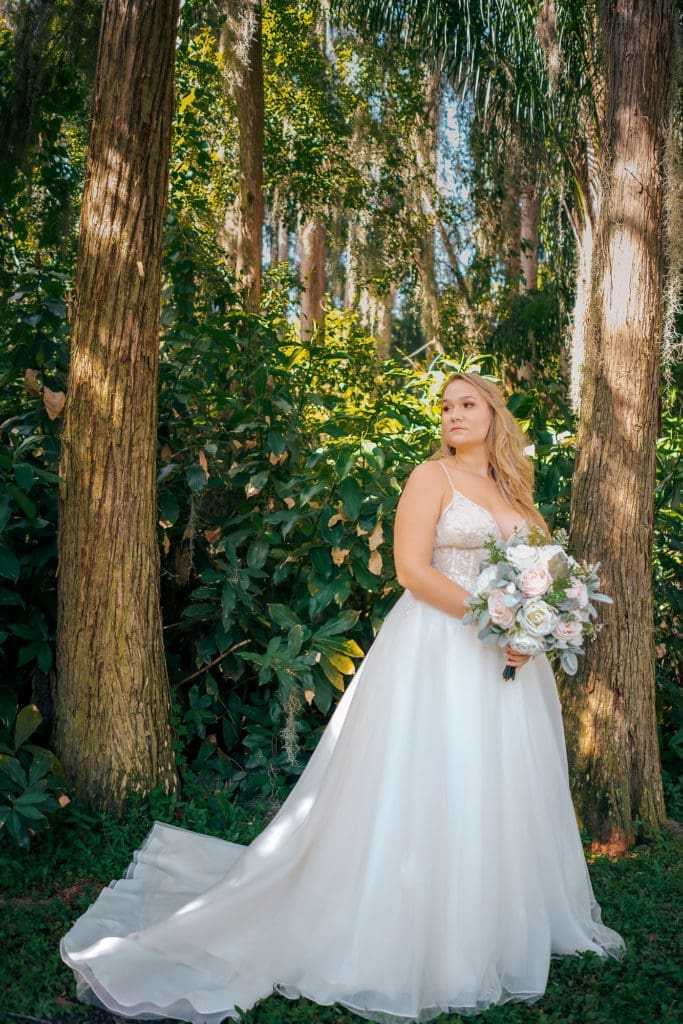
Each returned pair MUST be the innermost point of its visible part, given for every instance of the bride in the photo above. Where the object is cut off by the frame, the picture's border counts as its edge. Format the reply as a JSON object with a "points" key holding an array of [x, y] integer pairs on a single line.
{"points": [[428, 858]]}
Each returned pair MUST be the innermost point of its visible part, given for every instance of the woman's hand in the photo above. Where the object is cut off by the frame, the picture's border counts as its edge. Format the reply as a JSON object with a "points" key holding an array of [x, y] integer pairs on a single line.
{"points": [[516, 659]]}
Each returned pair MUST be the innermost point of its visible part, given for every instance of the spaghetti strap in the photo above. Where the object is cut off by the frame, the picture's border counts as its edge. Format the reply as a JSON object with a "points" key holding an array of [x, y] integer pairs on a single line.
{"points": [[450, 479]]}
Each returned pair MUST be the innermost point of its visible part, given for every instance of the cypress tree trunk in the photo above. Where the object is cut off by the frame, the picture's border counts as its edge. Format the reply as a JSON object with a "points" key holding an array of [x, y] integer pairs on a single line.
{"points": [[250, 107], [112, 727], [312, 273], [610, 706], [530, 211]]}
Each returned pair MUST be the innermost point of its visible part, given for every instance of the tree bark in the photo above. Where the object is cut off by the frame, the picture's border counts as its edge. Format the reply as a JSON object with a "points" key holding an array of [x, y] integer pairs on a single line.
{"points": [[510, 214], [610, 706], [112, 722], [243, 47], [312, 273], [530, 210]]}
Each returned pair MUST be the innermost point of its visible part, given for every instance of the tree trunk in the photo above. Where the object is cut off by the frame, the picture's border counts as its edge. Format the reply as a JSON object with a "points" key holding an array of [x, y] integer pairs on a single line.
{"points": [[583, 234], [243, 48], [312, 273], [425, 145], [112, 722], [530, 209], [510, 214], [610, 707], [282, 243]]}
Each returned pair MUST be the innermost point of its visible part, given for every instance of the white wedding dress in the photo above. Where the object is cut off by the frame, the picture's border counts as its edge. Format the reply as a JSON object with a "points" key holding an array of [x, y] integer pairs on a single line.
{"points": [[427, 860]]}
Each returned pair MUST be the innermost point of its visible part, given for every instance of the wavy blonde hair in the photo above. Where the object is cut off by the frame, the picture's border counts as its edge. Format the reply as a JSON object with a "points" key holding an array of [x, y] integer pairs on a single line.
{"points": [[510, 467]]}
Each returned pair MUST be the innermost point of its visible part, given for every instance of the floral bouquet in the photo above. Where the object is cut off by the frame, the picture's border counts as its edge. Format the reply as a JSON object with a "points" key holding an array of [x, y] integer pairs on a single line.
{"points": [[534, 597]]}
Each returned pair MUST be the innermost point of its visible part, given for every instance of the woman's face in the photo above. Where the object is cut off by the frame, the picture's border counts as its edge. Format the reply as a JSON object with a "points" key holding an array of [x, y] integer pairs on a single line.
{"points": [[465, 415]]}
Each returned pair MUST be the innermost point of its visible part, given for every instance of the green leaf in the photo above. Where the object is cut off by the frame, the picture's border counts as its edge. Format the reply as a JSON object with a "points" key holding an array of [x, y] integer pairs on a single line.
{"points": [[258, 553], [341, 623], [10, 767], [196, 477], [276, 442], [227, 601], [16, 828], [351, 496], [168, 508], [9, 565], [44, 657], [28, 720], [323, 694], [29, 811], [42, 762], [24, 503], [23, 474], [281, 615], [295, 640], [166, 471], [55, 306], [36, 794]]}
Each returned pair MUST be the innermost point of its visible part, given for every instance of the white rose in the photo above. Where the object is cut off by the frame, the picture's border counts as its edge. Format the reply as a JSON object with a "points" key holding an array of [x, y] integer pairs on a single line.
{"points": [[568, 631], [485, 579], [523, 556], [536, 617], [578, 591], [535, 582], [525, 644], [501, 613], [548, 552]]}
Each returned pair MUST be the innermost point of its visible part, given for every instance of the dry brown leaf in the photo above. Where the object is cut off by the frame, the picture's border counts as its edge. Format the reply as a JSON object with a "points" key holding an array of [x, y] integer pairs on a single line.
{"points": [[338, 517], [290, 502], [63, 800], [166, 453], [204, 463], [166, 544], [273, 459], [31, 382], [339, 555], [213, 535], [376, 537], [375, 563], [309, 695], [54, 402], [360, 531]]}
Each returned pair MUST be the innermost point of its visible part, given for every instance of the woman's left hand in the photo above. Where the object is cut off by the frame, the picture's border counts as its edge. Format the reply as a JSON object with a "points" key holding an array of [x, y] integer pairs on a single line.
{"points": [[516, 659]]}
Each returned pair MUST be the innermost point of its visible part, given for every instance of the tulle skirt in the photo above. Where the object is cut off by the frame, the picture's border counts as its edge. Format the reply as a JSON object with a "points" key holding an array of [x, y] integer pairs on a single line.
{"points": [[427, 860]]}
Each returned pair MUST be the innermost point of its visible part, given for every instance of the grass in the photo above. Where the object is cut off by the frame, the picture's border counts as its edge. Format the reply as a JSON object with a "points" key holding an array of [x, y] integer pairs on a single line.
{"points": [[45, 888]]}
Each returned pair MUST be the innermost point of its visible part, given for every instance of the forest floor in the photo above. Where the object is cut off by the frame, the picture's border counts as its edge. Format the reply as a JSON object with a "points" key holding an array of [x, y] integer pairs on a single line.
{"points": [[46, 888]]}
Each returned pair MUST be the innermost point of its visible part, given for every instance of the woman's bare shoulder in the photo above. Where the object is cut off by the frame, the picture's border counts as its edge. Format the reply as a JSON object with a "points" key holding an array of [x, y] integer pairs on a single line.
{"points": [[430, 471]]}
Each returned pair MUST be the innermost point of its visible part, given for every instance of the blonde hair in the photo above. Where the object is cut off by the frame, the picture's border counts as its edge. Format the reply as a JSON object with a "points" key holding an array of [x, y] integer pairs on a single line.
{"points": [[510, 467]]}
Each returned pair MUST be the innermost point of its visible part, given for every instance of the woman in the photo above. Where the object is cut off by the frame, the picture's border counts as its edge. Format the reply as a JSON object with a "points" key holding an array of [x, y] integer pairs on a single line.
{"points": [[428, 859]]}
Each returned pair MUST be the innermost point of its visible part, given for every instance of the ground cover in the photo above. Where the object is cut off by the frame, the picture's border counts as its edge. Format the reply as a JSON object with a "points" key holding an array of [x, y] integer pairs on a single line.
{"points": [[45, 888]]}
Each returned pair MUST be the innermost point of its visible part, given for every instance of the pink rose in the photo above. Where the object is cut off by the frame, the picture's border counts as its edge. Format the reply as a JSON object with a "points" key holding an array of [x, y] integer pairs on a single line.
{"points": [[578, 591], [501, 613], [535, 581], [568, 631]]}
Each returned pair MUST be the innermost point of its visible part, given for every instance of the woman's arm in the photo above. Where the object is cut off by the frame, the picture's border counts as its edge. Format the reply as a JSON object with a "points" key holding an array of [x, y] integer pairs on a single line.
{"points": [[417, 514]]}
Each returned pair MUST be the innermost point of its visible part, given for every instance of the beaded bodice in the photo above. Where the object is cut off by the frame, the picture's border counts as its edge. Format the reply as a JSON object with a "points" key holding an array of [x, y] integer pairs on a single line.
{"points": [[461, 533]]}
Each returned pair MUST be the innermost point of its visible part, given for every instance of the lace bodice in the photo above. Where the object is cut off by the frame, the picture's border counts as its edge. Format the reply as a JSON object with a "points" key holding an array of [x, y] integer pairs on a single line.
{"points": [[461, 532]]}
